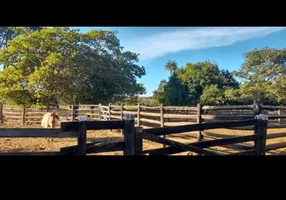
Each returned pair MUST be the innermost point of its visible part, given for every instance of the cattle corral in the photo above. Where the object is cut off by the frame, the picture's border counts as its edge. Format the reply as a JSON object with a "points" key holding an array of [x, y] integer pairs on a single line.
{"points": [[149, 117]]}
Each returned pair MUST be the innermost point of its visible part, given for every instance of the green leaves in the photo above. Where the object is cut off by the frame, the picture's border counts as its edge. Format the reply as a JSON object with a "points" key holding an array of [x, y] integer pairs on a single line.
{"points": [[60, 65], [195, 83]]}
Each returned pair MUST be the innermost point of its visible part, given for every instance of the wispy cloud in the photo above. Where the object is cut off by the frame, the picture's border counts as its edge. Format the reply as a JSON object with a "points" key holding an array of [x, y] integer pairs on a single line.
{"points": [[189, 39]]}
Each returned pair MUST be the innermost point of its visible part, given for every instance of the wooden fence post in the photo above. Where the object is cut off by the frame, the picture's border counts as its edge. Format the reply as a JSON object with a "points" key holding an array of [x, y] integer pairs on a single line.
{"points": [[81, 139], [121, 111], [109, 111], [129, 135], [138, 115], [279, 119], [138, 141], [72, 113], [99, 112], [261, 130], [23, 116], [199, 121], [162, 119], [1, 113]]}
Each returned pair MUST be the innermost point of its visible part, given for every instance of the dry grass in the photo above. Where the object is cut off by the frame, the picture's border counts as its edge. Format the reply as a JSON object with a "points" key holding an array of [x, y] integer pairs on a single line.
{"points": [[41, 144]]}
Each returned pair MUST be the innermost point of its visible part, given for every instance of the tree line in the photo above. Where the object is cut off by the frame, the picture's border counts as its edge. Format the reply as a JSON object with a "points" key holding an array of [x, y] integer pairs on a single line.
{"points": [[262, 76]]}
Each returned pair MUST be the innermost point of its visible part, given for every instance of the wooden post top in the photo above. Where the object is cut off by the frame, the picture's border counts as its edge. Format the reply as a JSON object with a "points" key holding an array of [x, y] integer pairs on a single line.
{"points": [[262, 117], [128, 117]]}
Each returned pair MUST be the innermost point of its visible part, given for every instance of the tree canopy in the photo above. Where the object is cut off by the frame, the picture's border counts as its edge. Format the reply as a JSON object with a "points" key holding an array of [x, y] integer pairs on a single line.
{"points": [[62, 65]]}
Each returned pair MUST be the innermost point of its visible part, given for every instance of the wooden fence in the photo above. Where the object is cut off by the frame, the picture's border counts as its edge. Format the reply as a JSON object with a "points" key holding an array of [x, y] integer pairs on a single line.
{"points": [[148, 117], [132, 144]]}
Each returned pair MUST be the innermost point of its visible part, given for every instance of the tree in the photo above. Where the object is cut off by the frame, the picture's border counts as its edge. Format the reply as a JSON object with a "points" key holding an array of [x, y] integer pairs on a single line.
{"points": [[9, 33], [171, 66], [61, 65], [158, 95], [261, 74], [175, 92], [199, 75]]}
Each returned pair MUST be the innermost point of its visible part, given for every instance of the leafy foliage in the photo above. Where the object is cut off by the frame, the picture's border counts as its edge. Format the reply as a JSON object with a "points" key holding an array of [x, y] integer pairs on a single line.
{"points": [[62, 65]]}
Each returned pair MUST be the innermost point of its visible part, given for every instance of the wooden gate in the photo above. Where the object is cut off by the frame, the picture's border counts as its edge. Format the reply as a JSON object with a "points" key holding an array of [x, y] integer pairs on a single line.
{"points": [[104, 113]]}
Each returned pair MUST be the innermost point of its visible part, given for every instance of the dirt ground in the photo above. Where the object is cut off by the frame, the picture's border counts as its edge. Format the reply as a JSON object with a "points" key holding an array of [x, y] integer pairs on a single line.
{"points": [[42, 145]]}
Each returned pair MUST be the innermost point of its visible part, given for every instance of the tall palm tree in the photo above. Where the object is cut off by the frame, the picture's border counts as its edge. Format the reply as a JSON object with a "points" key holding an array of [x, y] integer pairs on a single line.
{"points": [[171, 66]]}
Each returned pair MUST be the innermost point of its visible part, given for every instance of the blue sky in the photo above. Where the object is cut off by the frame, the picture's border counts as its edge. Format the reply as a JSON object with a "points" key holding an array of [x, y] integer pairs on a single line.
{"points": [[224, 45]]}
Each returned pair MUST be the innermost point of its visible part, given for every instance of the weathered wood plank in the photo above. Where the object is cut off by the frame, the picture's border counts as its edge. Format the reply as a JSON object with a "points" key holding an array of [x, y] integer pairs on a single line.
{"points": [[150, 108], [38, 132], [175, 144], [275, 146], [130, 112], [129, 135], [179, 108], [146, 127], [243, 153], [150, 114], [106, 147], [178, 123], [115, 117], [150, 121], [275, 135], [81, 139], [205, 144], [180, 116], [196, 127], [93, 125], [45, 153], [227, 107], [130, 107]]}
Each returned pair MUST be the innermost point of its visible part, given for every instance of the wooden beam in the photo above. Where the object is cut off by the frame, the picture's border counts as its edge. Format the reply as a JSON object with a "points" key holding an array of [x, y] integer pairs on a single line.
{"points": [[196, 127], [93, 125], [37, 132], [270, 147], [205, 144], [175, 144], [150, 114], [44, 153], [227, 107]]}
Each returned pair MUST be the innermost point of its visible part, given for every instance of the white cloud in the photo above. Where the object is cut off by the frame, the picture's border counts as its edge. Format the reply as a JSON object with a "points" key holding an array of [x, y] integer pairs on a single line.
{"points": [[189, 39]]}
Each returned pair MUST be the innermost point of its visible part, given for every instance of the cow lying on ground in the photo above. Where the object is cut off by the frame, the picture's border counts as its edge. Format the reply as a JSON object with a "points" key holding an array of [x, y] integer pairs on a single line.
{"points": [[50, 120]]}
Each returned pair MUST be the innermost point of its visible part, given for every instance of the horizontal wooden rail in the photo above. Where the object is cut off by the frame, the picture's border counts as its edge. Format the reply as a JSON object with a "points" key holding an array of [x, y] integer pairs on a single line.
{"points": [[178, 123], [150, 114], [205, 144], [150, 121], [275, 135], [275, 146], [180, 116], [227, 107], [243, 153], [184, 147], [44, 153], [37, 132], [93, 125], [197, 127], [150, 108], [179, 108]]}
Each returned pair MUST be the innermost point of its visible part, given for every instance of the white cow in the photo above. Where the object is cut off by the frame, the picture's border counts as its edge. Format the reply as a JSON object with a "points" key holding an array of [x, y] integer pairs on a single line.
{"points": [[50, 120]]}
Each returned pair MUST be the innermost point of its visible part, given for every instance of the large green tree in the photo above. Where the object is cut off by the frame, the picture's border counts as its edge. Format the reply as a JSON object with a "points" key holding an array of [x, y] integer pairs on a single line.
{"points": [[187, 85], [262, 75], [62, 65]]}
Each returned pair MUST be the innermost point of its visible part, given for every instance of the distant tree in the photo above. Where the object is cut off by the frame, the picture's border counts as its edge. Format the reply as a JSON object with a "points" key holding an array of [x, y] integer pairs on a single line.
{"points": [[262, 75], [176, 93], [158, 95], [171, 66]]}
